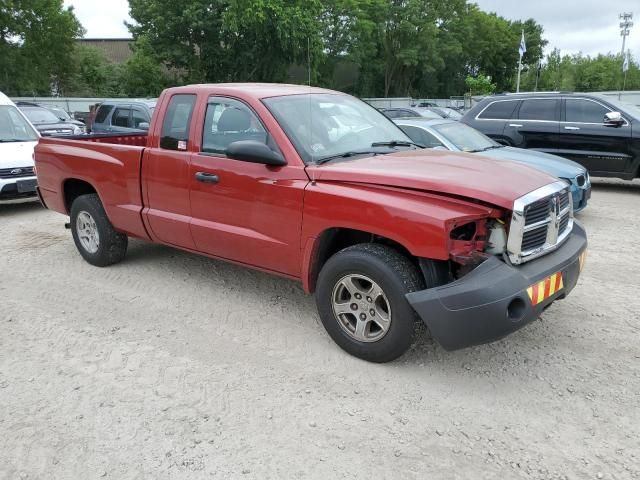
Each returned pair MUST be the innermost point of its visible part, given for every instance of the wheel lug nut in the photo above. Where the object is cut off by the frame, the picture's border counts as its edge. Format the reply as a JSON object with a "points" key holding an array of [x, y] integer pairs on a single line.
{"points": [[354, 306], [358, 296], [372, 312], [369, 299], [363, 316]]}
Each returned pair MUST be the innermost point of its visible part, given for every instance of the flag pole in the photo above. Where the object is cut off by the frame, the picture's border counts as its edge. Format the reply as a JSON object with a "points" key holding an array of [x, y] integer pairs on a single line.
{"points": [[625, 69], [521, 50]]}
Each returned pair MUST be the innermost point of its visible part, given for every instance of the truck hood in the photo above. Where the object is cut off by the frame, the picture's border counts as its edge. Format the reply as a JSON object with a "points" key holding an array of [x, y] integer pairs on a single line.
{"points": [[16, 154], [491, 181], [552, 164]]}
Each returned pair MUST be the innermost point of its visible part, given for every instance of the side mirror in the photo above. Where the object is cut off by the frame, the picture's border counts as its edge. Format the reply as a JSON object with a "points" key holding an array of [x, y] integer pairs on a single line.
{"points": [[613, 119], [255, 152], [143, 125]]}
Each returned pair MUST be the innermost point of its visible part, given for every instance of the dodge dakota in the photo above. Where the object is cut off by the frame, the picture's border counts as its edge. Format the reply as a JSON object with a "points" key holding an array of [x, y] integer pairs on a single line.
{"points": [[317, 186]]}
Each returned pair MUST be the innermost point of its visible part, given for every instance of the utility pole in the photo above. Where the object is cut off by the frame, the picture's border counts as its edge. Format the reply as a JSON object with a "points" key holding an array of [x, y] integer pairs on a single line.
{"points": [[625, 28]]}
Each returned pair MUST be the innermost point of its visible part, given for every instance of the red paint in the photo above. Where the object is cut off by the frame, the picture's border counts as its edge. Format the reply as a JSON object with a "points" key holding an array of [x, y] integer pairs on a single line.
{"points": [[272, 218]]}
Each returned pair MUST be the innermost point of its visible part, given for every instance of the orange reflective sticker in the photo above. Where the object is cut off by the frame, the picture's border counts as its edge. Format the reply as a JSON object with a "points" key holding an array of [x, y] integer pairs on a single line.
{"points": [[539, 292]]}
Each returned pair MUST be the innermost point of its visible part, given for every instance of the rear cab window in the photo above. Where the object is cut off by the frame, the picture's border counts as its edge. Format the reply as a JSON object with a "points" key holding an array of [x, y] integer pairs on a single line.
{"points": [[499, 110], [177, 122]]}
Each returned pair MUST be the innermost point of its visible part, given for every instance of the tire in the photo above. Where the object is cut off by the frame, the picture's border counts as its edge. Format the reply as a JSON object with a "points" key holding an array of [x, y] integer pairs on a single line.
{"points": [[107, 246], [353, 269]]}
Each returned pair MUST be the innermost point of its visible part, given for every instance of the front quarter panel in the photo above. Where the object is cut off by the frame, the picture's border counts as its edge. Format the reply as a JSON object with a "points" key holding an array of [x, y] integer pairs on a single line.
{"points": [[417, 220]]}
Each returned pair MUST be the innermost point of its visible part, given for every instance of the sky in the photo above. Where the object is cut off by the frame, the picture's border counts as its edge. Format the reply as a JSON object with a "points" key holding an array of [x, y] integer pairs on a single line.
{"points": [[587, 26]]}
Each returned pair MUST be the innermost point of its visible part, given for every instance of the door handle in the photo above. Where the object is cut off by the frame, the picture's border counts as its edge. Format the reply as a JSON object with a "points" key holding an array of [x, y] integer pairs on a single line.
{"points": [[572, 128], [205, 177], [515, 125]]}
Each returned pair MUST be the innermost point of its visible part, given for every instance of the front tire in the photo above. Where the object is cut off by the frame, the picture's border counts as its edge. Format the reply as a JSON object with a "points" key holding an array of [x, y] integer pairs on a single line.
{"points": [[361, 301], [95, 238]]}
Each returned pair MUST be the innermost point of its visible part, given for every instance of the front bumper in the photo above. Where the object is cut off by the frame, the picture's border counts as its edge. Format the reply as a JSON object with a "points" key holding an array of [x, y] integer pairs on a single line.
{"points": [[581, 196], [15, 188], [492, 300]]}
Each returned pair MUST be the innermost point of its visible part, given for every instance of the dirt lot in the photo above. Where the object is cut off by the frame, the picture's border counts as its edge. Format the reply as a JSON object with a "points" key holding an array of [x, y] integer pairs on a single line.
{"points": [[174, 366]]}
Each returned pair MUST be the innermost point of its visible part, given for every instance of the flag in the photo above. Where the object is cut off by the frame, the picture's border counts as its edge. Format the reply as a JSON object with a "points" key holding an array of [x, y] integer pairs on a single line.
{"points": [[523, 46], [625, 65]]}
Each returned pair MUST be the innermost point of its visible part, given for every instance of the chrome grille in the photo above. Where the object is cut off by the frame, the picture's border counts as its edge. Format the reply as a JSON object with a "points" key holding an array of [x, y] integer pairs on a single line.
{"points": [[541, 221], [16, 172]]}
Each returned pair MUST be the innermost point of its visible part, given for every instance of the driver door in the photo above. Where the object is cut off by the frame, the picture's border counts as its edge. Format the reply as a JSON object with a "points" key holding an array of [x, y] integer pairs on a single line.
{"points": [[245, 212]]}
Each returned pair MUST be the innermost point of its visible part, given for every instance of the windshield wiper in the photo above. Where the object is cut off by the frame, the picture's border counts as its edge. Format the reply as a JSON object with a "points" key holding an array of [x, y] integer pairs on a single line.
{"points": [[10, 140], [397, 143], [490, 147], [351, 153]]}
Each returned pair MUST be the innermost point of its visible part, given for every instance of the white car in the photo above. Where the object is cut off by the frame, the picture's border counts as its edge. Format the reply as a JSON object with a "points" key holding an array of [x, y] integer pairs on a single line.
{"points": [[17, 140]]}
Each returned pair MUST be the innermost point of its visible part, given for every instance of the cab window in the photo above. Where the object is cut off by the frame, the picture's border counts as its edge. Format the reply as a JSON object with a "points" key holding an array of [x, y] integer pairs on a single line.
{"points": [[121, 117], [227, 121], [539, 109], [499, 110], [579, 110]]}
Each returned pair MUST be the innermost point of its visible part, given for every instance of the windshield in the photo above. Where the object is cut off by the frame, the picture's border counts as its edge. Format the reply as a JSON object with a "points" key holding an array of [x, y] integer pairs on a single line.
{"points": [[465, 138], [325, 125], [40, 115], [61, 114], [452, 114], [13, 126]]}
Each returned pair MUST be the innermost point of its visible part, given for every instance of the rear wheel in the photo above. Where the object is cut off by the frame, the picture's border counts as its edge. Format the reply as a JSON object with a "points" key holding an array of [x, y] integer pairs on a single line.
{"points": [[95, 238], [361, 301]]}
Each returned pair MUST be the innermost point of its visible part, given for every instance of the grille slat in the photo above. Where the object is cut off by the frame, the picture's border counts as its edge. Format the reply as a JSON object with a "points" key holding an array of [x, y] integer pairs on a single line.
{"points": [[538, 211]]}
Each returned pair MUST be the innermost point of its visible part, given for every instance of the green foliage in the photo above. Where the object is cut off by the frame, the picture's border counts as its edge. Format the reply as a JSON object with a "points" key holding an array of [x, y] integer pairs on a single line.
{"points": [[36, 43], [419, 48], [479, 85], [581, 73]]}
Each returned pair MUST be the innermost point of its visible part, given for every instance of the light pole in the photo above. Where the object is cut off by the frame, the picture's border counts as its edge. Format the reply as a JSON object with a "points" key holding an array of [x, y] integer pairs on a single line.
{"points": [[625, 28]]}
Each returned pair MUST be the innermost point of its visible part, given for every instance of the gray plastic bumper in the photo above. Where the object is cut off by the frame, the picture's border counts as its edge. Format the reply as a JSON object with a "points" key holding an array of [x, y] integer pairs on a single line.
{"points": [[492, 300]]}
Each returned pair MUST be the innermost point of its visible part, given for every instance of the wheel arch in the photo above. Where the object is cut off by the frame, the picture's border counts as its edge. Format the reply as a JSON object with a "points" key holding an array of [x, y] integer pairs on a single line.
{"points": [[334, 239], [73, 188]]}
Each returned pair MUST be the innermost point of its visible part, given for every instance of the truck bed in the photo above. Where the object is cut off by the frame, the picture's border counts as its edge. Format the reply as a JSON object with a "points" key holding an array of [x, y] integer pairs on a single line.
{"points": [[110, 164]]}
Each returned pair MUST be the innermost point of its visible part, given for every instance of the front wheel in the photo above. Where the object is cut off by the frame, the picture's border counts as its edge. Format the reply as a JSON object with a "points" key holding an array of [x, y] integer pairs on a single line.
{"points": [[95, 238], [361, 301]]}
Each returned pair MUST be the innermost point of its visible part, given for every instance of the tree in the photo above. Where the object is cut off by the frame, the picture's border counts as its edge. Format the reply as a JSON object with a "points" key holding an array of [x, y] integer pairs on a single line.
{"points": [[479, 85], [36, 44], [143, 75], [91, 74]]}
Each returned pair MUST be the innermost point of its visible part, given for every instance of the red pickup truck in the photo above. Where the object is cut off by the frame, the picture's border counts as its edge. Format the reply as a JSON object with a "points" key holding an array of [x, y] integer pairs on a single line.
{"points": [[317, 186]]}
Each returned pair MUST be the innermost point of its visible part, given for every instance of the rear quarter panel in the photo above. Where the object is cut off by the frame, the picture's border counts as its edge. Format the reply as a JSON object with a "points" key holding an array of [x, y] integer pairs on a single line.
{"points": [[112, 170]]}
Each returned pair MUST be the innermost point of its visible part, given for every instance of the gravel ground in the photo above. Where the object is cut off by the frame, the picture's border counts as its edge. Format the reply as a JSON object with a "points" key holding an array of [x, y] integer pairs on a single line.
{"points": [[170, 365]]}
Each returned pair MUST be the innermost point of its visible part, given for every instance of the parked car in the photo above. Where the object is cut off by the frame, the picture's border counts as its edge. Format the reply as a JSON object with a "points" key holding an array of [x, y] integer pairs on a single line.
{"points": [[123, 117], [410, 112], [380, 230], [596, 131], [445, 112], [47, 122], [64, 116], [17, 140], [459, 137]]}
